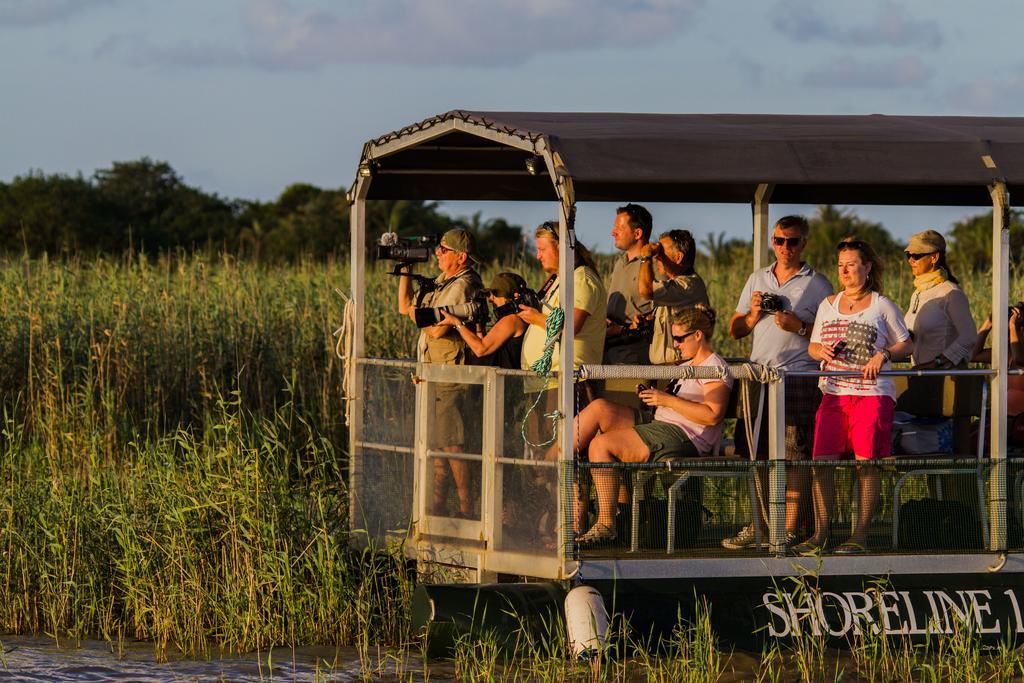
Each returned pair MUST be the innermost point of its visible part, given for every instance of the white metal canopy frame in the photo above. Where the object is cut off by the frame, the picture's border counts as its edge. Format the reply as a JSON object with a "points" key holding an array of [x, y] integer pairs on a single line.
{"points": [[570, 157]]}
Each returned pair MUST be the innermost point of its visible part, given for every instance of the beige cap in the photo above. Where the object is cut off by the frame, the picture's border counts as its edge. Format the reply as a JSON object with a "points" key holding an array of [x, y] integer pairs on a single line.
{"points": [[927, 242], [459, 239]]}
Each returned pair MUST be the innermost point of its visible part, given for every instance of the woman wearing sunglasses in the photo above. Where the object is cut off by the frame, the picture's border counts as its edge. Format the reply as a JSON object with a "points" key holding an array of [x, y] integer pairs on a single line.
{"points": [[856, 330], [939, 317], [686, 422]]}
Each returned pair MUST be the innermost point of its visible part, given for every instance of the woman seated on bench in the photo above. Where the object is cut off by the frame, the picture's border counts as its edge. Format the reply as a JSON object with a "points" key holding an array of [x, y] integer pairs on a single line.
{"points": [[687, 421]]}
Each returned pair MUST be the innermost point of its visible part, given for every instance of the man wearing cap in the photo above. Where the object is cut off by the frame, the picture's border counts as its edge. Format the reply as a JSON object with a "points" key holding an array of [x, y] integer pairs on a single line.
{"points": [[781, 329], [457, 284]]}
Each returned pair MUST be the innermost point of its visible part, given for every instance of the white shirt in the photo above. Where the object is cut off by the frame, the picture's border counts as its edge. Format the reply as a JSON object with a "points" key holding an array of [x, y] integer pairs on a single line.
{"points": [[863, 334]]}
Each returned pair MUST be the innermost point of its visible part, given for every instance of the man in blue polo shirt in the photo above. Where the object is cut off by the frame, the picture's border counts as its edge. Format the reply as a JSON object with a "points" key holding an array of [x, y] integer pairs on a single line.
{"points": [[777, 306]]}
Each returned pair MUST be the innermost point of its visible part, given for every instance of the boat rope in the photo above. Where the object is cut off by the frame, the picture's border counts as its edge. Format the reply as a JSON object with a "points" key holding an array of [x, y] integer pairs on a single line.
{"points": [[542, 366], [343, 350]]}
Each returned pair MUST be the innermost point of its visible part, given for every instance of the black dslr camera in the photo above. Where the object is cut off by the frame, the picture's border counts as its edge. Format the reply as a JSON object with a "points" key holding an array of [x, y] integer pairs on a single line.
{"points": [[473, 312], [643, 331], [772, 303], [1019, 307], [523, 296]]}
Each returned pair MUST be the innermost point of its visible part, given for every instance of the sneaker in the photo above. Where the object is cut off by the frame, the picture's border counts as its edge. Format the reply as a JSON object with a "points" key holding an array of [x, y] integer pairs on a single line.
{"points": [[744, 540], [599, 534]]}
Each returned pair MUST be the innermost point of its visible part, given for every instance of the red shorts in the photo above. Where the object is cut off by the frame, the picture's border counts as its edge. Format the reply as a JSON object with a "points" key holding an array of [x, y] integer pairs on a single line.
{"points": [[861, 425]]}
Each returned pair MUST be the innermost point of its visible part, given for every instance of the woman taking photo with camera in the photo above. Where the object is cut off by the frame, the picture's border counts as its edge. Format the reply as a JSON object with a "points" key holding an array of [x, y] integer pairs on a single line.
{"points": [[857, 330], [686, 421], [504, 341]]}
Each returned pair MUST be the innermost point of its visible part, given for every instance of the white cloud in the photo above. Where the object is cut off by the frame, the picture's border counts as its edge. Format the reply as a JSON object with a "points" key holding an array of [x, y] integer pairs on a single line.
{"points": [[847, 72], [280, 35], [890, 26], [992, 97], [22, 13]]}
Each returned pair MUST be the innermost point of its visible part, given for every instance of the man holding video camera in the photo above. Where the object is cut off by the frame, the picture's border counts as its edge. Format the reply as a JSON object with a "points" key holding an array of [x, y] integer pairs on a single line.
{"points": [[457, 284], [778, 306]]}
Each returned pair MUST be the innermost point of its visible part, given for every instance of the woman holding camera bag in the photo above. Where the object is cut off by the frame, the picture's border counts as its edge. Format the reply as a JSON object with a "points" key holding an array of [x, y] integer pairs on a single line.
{"points": [[504, 341]]}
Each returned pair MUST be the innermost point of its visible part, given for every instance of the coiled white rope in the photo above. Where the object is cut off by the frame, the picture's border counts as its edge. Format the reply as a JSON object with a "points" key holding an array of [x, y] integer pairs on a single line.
{"points": [[343, 350]]}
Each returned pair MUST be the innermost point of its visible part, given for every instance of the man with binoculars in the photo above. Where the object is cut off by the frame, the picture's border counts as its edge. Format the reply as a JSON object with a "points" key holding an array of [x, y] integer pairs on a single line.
{"points": [[458, 283]]}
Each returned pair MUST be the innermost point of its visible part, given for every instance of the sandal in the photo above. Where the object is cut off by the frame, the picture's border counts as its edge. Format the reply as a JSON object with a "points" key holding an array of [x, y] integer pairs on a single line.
{"points": [[810, 547], [850, 548], [599, 534]]}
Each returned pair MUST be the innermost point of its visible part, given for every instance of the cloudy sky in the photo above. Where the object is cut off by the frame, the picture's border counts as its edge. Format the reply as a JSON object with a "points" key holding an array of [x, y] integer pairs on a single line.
{"points": [[246, 97]]}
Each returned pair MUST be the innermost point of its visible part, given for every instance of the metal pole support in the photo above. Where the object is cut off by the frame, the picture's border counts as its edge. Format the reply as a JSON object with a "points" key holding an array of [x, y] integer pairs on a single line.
{"points": [[1000, 358], [762, 228], [777, 466]]}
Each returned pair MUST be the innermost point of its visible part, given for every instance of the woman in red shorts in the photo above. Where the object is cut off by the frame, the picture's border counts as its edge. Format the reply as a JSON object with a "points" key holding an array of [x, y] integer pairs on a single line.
{"points": [[859, 330]]}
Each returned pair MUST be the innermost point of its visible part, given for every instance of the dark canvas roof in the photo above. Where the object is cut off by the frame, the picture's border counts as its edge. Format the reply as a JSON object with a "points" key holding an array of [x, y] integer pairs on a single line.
{"points": [[870, 159]]}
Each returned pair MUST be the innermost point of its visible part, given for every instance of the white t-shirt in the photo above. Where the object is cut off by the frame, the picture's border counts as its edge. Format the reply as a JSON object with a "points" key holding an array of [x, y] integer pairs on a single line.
{"points": [[704, 437], [864, 334]]}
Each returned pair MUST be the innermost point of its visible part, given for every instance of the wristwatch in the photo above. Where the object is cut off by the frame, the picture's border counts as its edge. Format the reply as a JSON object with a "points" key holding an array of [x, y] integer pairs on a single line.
{"points": [[887, 355], [802, 331]]}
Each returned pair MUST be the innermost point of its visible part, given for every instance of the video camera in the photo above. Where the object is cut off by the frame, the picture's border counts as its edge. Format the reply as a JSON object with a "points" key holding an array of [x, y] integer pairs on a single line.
{"points": [[416, 249], [408, 250], [473, 312]]}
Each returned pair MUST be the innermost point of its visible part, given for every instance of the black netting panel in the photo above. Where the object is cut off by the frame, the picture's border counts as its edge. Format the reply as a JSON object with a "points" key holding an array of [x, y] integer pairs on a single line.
{"points": [[940, 507], [385, 501], [529, 508], [389, 406]]}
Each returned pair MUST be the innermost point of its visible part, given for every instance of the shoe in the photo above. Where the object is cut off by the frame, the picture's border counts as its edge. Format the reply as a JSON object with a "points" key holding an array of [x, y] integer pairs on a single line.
{"points": [[599, 534], [850, 548], [744, 540]]}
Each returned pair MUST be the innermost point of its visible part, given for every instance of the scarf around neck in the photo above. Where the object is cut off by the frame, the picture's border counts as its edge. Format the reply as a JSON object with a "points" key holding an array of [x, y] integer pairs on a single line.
{"points": [[930, 279]]}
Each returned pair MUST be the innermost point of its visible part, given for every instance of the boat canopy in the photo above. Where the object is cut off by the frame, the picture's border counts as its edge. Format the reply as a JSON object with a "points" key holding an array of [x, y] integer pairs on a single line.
{"points": [[864, 159]]}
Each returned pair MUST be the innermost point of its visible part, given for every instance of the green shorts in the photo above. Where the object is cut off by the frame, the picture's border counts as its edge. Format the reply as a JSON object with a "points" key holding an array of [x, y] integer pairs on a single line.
{"points": [[663, 439]]}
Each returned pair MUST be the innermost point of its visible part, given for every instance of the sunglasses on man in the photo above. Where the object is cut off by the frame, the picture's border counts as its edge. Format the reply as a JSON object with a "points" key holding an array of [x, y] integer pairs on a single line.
{"points": [[788, 241]]}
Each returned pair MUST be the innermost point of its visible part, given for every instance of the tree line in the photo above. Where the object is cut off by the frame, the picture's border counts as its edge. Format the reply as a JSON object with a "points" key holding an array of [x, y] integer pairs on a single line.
{"points": [[144, 206]]}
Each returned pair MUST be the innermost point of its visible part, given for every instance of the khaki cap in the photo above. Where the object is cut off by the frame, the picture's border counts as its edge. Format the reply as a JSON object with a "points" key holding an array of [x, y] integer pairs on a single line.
{"points": [[927, 242], [460, 239]]}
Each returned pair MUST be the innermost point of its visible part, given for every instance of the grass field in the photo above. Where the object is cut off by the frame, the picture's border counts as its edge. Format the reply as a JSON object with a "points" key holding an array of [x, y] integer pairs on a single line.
{"points": [[172, 450]]}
